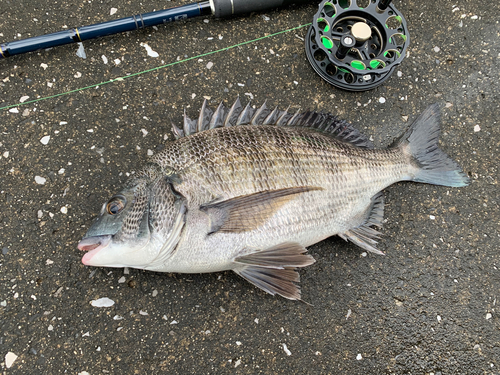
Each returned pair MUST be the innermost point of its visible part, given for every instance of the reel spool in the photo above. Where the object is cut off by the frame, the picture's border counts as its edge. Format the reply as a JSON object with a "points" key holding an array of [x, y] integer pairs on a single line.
{"points": [[356, 45]]}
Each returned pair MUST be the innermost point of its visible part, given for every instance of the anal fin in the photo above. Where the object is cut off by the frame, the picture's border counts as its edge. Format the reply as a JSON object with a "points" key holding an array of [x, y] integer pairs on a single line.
{"points": [[364, 235], [273, 270]]}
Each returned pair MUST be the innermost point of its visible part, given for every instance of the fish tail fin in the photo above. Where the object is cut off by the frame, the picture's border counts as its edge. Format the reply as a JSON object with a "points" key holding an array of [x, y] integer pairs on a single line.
{"points": [[420, 141]]}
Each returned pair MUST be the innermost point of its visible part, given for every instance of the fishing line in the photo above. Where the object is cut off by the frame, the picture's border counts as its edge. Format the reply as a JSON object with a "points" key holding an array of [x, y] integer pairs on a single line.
{"points": [[153, 69]]}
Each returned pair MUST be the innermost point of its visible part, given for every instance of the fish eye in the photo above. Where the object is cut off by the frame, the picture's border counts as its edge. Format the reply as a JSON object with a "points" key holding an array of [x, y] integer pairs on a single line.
{"points": [[116, 205]]}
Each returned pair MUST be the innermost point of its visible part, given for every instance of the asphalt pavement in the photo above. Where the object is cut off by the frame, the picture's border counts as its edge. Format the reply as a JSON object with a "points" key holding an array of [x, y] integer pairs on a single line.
{"points": [[81, 126]]}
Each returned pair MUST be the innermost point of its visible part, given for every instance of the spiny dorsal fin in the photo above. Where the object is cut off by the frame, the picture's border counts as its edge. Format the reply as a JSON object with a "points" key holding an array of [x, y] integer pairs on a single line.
{"points": [[237, 115]]}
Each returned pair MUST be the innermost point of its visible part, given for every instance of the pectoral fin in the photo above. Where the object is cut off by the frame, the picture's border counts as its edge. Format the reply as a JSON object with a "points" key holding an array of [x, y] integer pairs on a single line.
{"points": [[273, 270], [364, 235], [248, 212]]}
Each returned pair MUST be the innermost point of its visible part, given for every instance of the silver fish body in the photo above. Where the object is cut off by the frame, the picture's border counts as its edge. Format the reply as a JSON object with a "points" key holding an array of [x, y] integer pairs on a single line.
{"points": [[248, 190]]}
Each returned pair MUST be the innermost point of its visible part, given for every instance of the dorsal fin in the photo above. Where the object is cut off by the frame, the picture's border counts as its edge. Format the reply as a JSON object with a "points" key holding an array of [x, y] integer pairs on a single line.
{"points": [[237, 115]]}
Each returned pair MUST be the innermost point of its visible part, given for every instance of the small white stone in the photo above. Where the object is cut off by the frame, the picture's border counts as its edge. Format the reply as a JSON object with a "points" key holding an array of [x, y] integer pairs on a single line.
{"points": [[488, 316], [24, 98], [437, 49], [174, 322], [105, 59], [477, 128], [144, 132], [238, 343], [363, 254], [77, 75], [64, 209], [474, 17], [149, 50], [117, 317], [50, 327], [288, 352], [121, 280], [86, 334], [150, 152], [48, 262], [6, 154], [61, 171], [256, 320], [432, 217], [266, 18], [9, 359], [45, 140], [155, 293], [40, 180], [117, 61], [44, 66], [81, 52], [14, 110], [237, 363], [359, 357], [209, 65], [438, 318], [40, 214], [83, 373], [381, 100], [112, 11], [102, 302], [141, 312]]}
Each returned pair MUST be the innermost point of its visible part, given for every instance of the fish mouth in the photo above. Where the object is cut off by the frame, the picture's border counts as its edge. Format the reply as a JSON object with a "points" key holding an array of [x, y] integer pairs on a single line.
{"points": [[93, 245]]}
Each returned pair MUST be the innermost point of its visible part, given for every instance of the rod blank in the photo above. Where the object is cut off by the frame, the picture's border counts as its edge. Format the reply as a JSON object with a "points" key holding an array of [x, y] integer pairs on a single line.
{"points": [[218, 8]]}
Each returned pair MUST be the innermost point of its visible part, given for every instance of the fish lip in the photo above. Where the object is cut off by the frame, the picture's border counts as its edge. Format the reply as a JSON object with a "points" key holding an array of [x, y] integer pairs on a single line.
{"points": [[93, 245]]}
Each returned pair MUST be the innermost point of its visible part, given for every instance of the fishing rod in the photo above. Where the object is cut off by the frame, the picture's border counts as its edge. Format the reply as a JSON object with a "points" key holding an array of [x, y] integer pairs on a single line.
{"points": [[217, 8]]}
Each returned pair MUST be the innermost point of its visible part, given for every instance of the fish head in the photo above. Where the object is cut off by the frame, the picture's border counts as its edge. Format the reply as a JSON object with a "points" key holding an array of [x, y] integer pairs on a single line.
{"points": [[138, 227]]}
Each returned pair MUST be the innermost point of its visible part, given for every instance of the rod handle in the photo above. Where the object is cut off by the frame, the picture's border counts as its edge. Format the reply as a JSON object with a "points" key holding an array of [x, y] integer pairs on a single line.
{"points": [[226, 8]]}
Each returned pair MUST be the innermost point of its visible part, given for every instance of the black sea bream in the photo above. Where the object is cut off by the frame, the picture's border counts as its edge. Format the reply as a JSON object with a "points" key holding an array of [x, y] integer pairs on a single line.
{"points": [[248, 190]]}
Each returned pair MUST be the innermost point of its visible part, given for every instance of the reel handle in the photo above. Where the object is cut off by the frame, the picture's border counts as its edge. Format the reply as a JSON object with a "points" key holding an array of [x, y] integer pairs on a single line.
{"points": [[227, 8]]}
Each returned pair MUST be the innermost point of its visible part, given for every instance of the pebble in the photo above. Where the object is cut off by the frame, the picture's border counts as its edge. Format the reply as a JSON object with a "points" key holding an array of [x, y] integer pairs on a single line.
{"points": [[149, 50], [437, 49], [488, 316], [432, 217], [40, 180], [23, 99], [381, 100], [105, 59], [44, 66], [102, 302], [359, 357], [121, 280], [477, 128], [64, 210], [14, 110], [288, 352], [10, 359], [81, 53], [112, 11], [45, 140], [209, 65]]}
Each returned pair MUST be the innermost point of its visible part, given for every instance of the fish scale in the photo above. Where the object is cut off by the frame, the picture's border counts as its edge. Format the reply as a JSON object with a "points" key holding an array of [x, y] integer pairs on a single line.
{"points": [[233, 193]]}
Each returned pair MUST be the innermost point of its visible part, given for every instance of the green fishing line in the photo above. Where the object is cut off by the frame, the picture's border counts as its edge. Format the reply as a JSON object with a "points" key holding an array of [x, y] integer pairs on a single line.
{"points": [[153, 69]]}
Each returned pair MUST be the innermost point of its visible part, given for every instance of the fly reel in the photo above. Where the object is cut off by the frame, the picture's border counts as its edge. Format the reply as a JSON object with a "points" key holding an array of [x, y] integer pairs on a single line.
{"points": [[356, 45]]}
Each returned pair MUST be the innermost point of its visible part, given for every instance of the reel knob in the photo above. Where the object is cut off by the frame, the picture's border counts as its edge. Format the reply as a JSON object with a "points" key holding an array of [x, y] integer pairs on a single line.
{"points": [[356, 45]]}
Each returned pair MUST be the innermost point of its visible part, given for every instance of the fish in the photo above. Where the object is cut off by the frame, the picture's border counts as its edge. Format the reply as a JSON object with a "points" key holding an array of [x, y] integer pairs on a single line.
{"points": [[249, 189]]}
